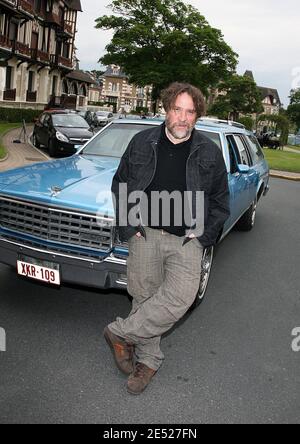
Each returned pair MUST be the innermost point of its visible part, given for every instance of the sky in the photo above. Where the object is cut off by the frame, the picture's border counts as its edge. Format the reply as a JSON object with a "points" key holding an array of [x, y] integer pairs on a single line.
{"points": [[264, 33]]}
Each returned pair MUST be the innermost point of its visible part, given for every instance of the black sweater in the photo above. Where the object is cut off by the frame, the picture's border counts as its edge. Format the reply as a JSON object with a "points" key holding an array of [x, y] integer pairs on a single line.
{"points": [[170, 176]]}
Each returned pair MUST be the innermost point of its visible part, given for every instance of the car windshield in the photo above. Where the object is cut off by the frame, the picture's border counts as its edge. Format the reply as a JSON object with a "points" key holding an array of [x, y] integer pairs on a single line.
{"points": [[69, 120], [114, 140], [102, 113]]}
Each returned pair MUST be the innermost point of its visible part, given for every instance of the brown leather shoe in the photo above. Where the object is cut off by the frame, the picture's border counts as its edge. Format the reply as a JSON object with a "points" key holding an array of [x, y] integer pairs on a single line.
{"points": [[122, 351], [140, 378]]}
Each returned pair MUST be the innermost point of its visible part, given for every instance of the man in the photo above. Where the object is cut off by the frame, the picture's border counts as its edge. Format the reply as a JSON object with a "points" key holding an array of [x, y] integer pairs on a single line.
{"points": [[164, 261]]}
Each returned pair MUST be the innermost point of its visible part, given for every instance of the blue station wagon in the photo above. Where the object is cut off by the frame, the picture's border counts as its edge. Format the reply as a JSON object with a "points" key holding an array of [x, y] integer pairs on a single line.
{"points": [[57, 217]]}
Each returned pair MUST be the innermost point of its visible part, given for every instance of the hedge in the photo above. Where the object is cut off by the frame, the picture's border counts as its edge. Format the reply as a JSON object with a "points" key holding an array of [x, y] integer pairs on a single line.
{"points": [[14, 115]]}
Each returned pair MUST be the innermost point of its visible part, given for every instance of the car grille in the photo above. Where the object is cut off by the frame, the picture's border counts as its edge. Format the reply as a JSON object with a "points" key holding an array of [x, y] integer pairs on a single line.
{"points": [[56, 225]]}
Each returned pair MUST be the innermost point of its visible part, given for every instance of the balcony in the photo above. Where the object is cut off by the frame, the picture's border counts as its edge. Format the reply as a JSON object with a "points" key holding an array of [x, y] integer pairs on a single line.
{"points": [[5, 42], [25, 7], [21, 48], [61, 61], [31, 96], [9, 94], [40, 56]]}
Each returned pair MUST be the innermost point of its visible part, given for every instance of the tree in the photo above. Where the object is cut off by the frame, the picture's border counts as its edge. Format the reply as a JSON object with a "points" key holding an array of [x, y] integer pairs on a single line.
{"points": [[157, 42], [237, 95], [293, 110]]}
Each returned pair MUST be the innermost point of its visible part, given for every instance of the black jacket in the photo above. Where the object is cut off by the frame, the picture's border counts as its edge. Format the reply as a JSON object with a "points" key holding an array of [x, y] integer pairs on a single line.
{"points": [[206, 171]]}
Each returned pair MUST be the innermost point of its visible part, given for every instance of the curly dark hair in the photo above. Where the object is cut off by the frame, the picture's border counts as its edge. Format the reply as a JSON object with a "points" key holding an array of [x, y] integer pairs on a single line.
{"points": [[170, 94]]}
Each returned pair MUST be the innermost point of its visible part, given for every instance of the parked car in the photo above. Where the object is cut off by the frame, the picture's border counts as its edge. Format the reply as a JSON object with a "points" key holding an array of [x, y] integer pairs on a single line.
{"points": [[104, 117], [61, 132], [56, 218]]}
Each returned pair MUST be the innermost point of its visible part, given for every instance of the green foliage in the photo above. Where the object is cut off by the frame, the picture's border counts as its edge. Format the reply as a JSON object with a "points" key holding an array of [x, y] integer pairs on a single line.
{"points": [[248, 122], [157, 42], [239, 95], [295, 96], [293, 110], [142, 109], [12, 115], [4, 127]]}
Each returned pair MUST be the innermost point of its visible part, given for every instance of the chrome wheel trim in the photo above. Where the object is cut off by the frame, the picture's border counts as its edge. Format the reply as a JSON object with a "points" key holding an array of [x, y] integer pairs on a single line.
{"points": [[206, 265]]}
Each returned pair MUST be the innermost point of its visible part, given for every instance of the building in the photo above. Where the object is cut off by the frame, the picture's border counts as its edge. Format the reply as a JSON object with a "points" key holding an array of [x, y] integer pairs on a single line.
{"points": [[269, 97], [120, 94], [37, 54]]}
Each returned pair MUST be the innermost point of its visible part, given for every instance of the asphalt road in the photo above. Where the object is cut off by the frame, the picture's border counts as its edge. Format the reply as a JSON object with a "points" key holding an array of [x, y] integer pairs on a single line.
{"points": [[230, 361]]}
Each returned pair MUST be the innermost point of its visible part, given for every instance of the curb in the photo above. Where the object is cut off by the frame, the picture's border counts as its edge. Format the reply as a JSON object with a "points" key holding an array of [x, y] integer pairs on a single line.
{"points": [[34, 147], [4, 158], [283, 176]]}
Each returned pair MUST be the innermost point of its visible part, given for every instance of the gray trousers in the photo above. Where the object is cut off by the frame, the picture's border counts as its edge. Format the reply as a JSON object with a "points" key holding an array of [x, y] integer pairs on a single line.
{"points": [[163, 279]]}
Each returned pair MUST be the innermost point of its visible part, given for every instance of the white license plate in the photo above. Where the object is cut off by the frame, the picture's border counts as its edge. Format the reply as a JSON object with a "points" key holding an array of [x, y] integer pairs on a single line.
{"points": [[38, 272]]}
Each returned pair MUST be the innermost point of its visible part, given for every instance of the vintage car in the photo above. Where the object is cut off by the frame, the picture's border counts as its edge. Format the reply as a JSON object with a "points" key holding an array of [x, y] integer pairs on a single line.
{"points": [[56, 218]]}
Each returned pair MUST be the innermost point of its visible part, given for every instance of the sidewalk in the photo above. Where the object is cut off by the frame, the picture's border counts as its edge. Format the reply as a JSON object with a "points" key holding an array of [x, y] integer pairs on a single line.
{"points": [[19, 154]]}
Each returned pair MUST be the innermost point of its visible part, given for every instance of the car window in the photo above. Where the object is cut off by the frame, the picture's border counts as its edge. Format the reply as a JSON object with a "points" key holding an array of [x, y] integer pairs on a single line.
{"points": [[245, 160], [47, 120], [255, 148], [214, 137], [69, 120], [234, 154], [114, 140]]}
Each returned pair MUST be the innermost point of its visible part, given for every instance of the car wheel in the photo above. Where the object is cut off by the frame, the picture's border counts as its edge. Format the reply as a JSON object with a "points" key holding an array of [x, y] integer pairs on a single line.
{"points": [[51, 148], [35, 141], [207, 261], [247, 221]]}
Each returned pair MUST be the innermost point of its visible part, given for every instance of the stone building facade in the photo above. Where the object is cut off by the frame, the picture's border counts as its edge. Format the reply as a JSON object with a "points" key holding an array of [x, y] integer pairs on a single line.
{"points": [[120, 94], [37, 54]]}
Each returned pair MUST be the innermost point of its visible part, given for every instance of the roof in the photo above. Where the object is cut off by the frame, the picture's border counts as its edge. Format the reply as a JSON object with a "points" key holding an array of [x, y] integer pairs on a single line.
{"points": [[110, 73], [74, 4], [266, 92], [249, 74], [82, 76]]}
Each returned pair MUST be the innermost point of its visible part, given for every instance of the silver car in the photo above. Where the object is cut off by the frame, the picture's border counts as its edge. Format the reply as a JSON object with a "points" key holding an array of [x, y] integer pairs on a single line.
{"points": [[104, 117]]}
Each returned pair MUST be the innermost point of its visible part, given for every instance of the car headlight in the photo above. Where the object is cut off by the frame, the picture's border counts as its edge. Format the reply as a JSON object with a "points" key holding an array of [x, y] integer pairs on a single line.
{"points": [[60, 136]]}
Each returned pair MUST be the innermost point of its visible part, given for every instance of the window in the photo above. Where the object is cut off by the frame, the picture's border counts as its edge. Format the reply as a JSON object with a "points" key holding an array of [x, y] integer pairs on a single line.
{"points": [[214, 137], [255, 149], [30, 81], [8, 79], [233, 154], [114, 140], [54, 84], [244, 156]]}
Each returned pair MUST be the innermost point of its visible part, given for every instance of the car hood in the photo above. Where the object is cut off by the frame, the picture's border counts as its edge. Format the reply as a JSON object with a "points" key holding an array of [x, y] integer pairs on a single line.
{"points": [[77, 133], [77, 182]]}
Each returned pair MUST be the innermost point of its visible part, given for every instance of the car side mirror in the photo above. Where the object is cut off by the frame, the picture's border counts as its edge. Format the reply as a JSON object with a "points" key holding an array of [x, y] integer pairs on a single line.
{"points": [[243, 169]]}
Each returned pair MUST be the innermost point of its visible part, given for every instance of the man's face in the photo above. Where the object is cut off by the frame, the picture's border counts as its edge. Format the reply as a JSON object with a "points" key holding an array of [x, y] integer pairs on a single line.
{"points": [[181, 119]]}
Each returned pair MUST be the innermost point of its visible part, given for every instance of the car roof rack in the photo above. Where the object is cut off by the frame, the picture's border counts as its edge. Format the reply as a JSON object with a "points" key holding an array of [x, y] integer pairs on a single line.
{"points": [[221, 122]]}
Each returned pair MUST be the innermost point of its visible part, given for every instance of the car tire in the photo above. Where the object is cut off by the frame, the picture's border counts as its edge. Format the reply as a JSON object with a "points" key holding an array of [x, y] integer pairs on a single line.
{"points": [[35, 141], [206, 266], [51, 148], [247, 221]]}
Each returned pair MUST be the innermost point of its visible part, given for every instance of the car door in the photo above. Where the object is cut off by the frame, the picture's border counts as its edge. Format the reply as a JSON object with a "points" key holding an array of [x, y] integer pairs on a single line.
{"points": [[238, 182]]}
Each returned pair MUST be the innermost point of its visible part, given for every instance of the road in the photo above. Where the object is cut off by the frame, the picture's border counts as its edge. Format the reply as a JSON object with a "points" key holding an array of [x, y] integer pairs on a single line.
{"points": [[230, 361]]}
